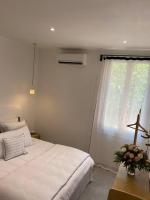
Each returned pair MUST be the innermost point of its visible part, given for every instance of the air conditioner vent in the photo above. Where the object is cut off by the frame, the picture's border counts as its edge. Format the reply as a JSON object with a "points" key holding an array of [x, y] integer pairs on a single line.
{"points": [[72, 59]]}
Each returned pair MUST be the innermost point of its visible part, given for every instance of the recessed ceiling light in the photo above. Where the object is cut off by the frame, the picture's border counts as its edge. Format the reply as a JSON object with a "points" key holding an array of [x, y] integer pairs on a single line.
{"points": [[124, 42], [52, 29]]}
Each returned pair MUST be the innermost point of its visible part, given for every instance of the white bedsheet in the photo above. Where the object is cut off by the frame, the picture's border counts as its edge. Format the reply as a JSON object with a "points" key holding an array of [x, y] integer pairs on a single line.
{"points": [[44, 173]]}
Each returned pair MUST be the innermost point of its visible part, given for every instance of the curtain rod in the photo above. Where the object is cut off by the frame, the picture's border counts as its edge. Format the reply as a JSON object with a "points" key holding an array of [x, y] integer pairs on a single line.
{"points": [[123, 57]]}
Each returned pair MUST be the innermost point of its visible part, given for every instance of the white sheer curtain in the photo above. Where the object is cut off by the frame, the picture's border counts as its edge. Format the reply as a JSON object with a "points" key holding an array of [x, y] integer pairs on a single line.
{"points": [[124, 89]]}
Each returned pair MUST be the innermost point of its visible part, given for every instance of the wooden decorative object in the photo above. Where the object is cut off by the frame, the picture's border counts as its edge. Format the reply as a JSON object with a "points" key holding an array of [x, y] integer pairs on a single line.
{"points": [[138, 127], [147, 136]]}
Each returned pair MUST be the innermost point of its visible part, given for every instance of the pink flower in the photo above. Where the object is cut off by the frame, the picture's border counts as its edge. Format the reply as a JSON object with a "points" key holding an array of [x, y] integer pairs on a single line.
{"points": [[140, 155], [136, 158], [123, 149], [131, 155], [126, 155]]}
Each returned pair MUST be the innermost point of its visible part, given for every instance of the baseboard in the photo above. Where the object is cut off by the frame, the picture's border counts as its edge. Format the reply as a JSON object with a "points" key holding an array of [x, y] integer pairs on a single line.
{"points": [[103, 166]]}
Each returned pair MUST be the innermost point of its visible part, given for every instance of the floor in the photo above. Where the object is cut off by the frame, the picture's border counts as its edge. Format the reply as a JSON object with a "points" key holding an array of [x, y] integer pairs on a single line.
{"points": [[98, 189]]}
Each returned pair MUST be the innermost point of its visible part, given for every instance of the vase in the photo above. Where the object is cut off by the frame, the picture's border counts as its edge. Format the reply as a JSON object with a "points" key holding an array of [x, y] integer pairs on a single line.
{"points": [[130, 171]]}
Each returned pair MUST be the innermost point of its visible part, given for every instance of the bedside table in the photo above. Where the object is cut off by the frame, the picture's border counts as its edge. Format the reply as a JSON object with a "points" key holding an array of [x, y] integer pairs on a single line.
{"points": [[130, 188], [35, 135]]}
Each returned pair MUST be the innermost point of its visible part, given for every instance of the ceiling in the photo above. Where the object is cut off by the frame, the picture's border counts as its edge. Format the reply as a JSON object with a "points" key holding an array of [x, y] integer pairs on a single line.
{"points": [[78, 23]]}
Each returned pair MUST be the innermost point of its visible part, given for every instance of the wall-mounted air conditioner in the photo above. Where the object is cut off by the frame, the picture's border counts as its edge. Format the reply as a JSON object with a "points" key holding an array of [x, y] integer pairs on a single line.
{"points": [[72, 58]]}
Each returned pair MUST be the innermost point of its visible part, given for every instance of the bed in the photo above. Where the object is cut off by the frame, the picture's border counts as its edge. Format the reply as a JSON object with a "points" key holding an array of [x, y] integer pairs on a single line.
{"points": [[47, 172]]}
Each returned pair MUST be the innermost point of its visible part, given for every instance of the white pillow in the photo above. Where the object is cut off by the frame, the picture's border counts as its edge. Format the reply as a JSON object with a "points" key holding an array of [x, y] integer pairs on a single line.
{"points": [[15, 119], [13, 147], [7, 120], [9, 126], [27, 135], [14, 133]]}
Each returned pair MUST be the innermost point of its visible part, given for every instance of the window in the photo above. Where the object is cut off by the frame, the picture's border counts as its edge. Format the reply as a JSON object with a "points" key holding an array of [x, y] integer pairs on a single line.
{"points": [[125, 88]]}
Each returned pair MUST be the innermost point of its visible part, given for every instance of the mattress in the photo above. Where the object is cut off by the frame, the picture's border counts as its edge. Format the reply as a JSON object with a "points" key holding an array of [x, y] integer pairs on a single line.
{"points": [[48, 172]]}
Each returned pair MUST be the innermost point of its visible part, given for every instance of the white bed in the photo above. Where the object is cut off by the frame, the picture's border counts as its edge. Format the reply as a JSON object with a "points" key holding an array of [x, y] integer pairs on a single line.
{"points": [[47, 172]]}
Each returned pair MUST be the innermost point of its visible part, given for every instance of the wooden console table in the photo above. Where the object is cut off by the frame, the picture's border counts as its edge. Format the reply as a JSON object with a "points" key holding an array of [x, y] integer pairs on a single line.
{"points": [[126, 187]]}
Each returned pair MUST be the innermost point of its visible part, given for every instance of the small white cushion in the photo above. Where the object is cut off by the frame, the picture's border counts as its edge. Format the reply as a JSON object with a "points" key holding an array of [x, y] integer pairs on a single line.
{"points": [[9, 126], [10, 134], [13, 146]]}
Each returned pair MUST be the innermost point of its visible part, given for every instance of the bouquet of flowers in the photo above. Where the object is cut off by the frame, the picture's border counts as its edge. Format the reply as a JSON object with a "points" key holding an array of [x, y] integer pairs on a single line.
{"points": [[133, 157]]}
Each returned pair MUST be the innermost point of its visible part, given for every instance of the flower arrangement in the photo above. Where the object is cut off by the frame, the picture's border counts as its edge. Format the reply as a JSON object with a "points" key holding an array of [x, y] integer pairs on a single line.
{"points": [[132, 157]]}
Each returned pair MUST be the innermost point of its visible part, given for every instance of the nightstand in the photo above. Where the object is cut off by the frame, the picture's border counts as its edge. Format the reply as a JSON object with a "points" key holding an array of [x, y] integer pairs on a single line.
{"points": [[127, 187], [35, 135]]}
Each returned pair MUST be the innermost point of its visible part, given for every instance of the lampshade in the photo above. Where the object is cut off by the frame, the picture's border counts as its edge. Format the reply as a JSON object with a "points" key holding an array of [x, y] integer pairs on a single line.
{"points": [[32, 91]]}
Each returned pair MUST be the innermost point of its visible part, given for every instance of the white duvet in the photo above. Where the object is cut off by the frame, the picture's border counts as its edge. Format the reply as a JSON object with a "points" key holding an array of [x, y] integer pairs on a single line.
{"points": [[43, 173]]}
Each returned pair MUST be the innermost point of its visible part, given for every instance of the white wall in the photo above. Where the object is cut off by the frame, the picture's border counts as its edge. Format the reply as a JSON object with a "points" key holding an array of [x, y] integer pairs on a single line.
{"points": [[15, 77], [66, 99]]}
